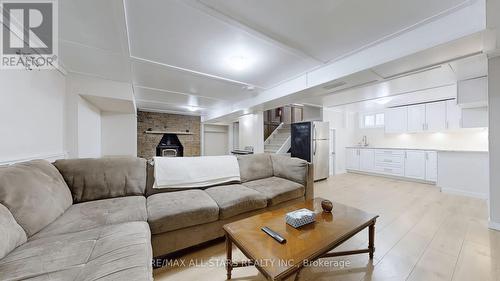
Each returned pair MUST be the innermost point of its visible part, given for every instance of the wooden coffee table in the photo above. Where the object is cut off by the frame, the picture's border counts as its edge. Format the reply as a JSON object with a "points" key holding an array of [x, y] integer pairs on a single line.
{"points": [[311, 242]]}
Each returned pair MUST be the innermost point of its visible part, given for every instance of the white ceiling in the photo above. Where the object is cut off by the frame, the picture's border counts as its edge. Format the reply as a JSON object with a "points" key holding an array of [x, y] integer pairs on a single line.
{"points": [[178, 54], [329, 29]]}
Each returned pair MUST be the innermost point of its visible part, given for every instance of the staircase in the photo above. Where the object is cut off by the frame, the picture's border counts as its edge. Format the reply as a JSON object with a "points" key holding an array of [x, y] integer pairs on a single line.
{"points": [[279, 140]]}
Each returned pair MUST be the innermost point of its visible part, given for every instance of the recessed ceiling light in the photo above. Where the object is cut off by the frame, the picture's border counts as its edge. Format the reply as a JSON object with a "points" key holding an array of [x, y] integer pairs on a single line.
{"points": [[383, 101], [239, 62], [191, 108]]}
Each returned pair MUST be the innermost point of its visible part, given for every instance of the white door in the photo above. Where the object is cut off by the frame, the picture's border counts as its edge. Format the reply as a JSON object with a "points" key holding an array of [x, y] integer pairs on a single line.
{"points": [[415, 164], [396, 120], [416, 118], [352, 158], [435, 116], [431, 166], [453, 115], [367, 160], [332, 152]]}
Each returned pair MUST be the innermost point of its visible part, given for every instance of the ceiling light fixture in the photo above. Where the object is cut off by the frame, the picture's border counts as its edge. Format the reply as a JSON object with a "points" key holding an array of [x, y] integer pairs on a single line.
{"points": [[191, 108], [383, 101], [239, 62]]}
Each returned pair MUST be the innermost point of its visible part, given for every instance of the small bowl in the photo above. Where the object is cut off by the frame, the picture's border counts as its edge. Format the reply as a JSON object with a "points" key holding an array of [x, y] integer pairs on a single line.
{"points": [[327, 206]]}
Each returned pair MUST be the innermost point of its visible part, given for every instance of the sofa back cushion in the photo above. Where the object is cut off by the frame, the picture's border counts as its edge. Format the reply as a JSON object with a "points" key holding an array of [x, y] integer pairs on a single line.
{"points": [[11, 232], [255, 166], [35, 193], [94, 179], [289, 168]]}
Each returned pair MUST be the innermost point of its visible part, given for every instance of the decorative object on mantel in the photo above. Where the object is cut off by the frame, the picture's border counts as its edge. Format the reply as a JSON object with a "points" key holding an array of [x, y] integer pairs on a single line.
{"points": [[167, 132], [300, 217], [327, 206]]}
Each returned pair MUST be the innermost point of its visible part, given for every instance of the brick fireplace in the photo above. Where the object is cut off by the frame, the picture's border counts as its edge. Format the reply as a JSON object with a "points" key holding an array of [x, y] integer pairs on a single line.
{"points": [[187, 126]]}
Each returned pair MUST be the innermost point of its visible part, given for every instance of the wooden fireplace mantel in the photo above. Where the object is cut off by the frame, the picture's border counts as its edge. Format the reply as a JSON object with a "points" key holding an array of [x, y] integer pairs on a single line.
{"points": [[167, 132]]}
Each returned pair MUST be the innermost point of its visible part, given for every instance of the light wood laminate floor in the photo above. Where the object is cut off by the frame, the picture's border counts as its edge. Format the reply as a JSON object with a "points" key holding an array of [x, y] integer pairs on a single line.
{"points": [[422, 234]]}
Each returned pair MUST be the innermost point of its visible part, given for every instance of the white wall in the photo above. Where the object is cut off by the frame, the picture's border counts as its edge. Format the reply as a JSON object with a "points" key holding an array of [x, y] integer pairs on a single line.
{"points": [[89, 130], [251, 131], [118, 134], [311, 113], [31, 115], [343, 123], [464, 139], [215, 140], [494, 131]]}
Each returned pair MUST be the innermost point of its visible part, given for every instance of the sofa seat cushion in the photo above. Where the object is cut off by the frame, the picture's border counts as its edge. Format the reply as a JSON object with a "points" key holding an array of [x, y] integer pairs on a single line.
{"points": [[35, 193], [277, 190], [236, 199], [84, 216], [174, 210], [113, 252]]}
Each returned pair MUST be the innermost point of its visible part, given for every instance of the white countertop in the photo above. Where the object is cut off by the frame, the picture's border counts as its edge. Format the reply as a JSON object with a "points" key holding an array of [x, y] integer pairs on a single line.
{"points": [[426, 149]]}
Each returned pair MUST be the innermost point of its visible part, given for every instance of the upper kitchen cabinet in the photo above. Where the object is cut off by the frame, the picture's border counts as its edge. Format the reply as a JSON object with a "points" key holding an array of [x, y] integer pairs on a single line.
{"points": [[416, 118], [473, 93], [453, 115], [396, 120], [428, 117], [435, 116]]}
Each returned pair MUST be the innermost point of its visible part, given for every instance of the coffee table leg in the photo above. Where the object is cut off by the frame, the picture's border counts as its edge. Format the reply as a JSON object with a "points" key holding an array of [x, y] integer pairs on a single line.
{"points": [[371, 239], [229, 257]]}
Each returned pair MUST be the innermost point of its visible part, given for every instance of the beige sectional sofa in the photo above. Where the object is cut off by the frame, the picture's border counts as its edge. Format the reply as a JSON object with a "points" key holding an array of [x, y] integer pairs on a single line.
{"points": [[100, 219]]}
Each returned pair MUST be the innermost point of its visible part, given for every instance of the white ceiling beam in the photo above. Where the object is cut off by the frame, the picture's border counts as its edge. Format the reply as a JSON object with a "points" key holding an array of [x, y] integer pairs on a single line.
{"points": [[252, 30], [175, 92]]}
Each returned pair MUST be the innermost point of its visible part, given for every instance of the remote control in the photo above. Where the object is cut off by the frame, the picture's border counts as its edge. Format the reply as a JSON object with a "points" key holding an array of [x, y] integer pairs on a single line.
{"points": [[274, 235]]}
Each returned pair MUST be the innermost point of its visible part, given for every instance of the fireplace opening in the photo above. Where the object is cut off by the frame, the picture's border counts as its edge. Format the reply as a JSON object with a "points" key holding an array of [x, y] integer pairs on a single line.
{"points": [[170, 146]]}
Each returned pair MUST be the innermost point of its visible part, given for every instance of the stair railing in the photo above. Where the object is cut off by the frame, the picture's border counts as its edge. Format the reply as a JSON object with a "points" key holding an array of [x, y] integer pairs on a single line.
{"points": [[268, 140]]}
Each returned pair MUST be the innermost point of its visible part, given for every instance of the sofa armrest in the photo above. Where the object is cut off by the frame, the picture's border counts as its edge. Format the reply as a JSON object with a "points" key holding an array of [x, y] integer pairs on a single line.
{"points": [[310, 182]]}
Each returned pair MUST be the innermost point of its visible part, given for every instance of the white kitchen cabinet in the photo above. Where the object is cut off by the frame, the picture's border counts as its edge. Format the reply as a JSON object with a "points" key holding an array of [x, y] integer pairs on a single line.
{"points": [[475, 117], [453, 115], [367, 159], [473, 92], [431, 166], [352, 158], [396, 120], [435, 116], [415, 164], [416, 118]]}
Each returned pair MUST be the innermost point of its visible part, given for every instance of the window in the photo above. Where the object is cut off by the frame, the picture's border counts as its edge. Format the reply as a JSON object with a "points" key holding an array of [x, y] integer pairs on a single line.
{"points": [[379, 120], [373, 120], [369, 121]]}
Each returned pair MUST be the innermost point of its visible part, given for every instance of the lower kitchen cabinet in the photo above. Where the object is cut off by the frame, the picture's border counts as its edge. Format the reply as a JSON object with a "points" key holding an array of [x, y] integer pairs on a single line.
{"points": [[352, 158], [415, 164], [367, 159], [411, 164], [431, 166]]}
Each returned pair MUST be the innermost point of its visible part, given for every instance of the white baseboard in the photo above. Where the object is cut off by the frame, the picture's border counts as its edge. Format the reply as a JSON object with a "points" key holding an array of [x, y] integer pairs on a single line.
{"points": [[49, 157], [494, 225], [465, 193]]}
